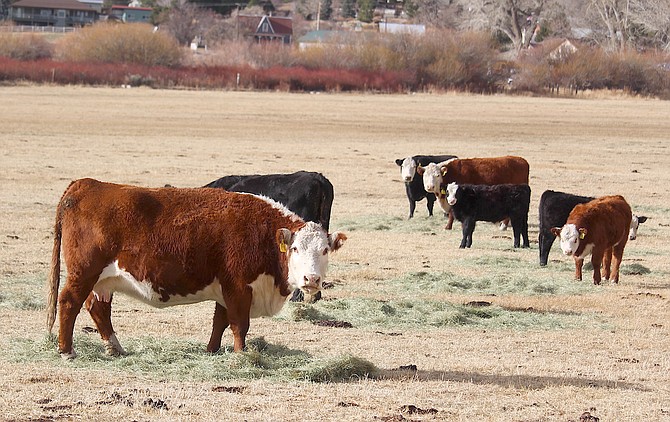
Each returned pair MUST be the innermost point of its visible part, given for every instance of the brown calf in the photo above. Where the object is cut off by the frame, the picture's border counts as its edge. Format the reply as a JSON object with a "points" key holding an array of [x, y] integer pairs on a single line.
{"points": [[172, 246], [600, 228]]}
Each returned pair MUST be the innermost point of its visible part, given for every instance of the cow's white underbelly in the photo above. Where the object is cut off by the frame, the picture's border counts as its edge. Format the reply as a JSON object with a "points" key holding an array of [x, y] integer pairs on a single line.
{"points": [[266, 298], [587, 251]]}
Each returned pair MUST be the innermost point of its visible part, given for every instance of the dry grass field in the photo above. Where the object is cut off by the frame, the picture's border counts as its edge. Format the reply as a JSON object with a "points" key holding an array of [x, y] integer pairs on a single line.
{"points": [[547, 349]]}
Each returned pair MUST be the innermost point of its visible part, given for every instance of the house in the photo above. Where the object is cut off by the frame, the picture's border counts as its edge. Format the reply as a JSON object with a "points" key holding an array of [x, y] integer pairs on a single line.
{"points": [[401, 28], [53, 13], [266, 28], [563, 50], [130, 14]]}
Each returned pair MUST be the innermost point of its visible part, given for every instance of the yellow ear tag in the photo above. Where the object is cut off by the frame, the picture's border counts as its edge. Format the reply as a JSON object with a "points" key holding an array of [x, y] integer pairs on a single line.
{"points": [[282, 247], [582, 236], [443, 192]]}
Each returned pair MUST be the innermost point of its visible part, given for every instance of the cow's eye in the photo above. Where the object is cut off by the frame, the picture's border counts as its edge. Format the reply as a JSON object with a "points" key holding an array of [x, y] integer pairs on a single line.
{"points": [[294, 249], [325, 251]]}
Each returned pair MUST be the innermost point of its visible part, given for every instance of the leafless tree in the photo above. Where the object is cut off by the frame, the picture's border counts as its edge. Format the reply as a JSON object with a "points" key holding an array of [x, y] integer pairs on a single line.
{"points": [[517, 19], [614, 17], [654, 16], [185, 21]]}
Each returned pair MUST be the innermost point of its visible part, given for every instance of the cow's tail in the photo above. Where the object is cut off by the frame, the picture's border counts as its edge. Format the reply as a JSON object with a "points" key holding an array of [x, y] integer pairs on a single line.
{"points": [[54, 276]]}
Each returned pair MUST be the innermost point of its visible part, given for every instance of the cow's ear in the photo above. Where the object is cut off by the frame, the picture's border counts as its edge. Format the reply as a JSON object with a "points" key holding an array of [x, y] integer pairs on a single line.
{"points": [[399, 161], [582, 233], [443, 170], [284, 239], [335, 240], [420, 170], [641, 219], [556, 231]]}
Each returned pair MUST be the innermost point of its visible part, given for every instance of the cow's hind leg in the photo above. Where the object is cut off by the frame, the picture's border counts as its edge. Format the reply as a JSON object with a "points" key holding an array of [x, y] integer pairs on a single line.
{"points": [[101, 313], [517, 228], [596, 261], [617, 257], [219, 325], [607, 263], [70, 301], [524, 232]]}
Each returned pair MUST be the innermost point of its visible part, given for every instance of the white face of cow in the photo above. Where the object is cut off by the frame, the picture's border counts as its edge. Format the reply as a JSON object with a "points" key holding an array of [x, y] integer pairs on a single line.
{"points": [[307, 251], [570, 238], [408, 169], [432, 178], [451, 193], [634, 225]]}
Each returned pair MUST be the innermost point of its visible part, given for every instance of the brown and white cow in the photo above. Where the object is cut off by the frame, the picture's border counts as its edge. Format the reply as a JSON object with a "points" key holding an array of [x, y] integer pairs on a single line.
{"points": [[600, 228], [171, 246], [473, 171]]}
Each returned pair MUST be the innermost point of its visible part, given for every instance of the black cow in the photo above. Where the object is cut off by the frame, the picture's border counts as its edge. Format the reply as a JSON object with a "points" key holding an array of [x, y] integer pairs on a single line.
{"points": [[414, 185], [308, 194], [554, 209], [472, 203]]}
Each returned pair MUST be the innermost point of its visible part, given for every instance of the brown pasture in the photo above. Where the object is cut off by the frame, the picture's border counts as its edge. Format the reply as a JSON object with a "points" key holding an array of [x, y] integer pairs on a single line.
{"points": [[617, 369]]}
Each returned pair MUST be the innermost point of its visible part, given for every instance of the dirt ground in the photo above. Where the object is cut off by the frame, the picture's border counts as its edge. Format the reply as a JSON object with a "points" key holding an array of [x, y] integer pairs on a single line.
{"points": [[616, 368]]}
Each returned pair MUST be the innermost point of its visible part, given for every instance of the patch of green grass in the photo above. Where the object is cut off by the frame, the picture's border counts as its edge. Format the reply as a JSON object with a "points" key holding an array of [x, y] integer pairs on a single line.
{"points": [[22, 293], [512, 279], [177, 359], [421, 224], [634, 269], [419, 313]]}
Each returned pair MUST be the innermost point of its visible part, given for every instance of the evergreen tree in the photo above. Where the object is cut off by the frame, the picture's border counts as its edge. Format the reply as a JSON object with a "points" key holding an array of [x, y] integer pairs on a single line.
{"points": [[348, 8], [366, 10], [326, 10]]}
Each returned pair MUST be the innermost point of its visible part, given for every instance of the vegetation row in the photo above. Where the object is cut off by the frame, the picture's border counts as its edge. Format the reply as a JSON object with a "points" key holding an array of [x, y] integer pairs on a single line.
{"points": [[440, 60]]}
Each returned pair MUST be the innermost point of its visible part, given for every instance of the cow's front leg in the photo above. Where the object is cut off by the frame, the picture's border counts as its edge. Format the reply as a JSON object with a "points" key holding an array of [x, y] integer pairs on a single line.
{"points": [[468, 229], [238, 317], [596, 261], [219, 325], [579, 264]]}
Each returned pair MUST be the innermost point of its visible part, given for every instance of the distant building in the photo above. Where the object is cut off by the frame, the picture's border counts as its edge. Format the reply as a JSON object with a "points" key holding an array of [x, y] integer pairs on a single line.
{"points": [[401, 28], [53, 13], [266, 28], [131, 14]]}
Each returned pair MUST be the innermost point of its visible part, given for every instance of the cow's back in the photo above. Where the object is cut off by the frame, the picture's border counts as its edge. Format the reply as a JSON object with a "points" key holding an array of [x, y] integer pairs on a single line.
{"points": [[308, 194], [488, 171], [607, 219], [190, 235]]}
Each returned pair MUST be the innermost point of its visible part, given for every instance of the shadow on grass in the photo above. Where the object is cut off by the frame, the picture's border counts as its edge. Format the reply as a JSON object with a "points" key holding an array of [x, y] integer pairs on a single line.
{"points": [[514, 381]]}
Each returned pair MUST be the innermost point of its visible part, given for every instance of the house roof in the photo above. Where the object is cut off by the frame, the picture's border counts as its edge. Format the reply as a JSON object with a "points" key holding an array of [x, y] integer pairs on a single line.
{"points": [[53, 4], [280, 25], [144, 9]]}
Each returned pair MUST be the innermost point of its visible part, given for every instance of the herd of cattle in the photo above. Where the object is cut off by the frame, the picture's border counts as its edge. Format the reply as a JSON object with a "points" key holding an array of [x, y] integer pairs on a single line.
{"points": [[249, 242]]}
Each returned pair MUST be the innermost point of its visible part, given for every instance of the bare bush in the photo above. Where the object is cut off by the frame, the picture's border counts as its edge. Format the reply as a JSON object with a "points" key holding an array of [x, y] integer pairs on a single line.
{"points": [[121, 43], [24, 46]]}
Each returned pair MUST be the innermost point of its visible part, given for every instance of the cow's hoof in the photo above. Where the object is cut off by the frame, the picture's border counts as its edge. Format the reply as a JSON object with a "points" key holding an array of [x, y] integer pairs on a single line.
{"points": [[68, 356]]}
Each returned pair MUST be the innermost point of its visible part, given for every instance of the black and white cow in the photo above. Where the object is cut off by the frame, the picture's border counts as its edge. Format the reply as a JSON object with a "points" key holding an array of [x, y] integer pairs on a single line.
{"points": [[414, 185], [308, 194], [472, 203], [554, 209]]}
